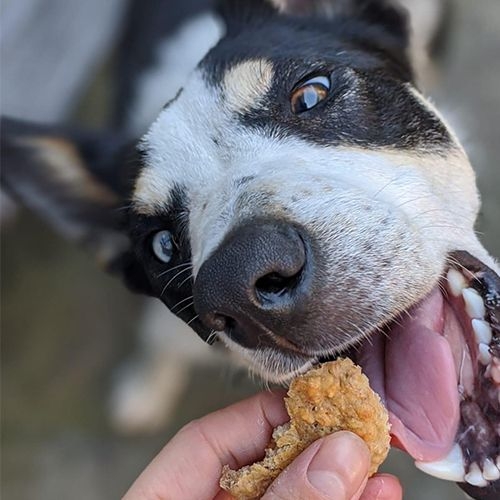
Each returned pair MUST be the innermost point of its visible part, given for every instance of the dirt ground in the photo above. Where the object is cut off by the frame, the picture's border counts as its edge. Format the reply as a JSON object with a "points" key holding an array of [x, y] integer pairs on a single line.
{"points": [[67, 328]]}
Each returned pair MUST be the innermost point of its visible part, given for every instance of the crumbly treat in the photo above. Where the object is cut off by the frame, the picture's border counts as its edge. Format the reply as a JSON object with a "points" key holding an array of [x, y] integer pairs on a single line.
{"points": [[336, 396]]}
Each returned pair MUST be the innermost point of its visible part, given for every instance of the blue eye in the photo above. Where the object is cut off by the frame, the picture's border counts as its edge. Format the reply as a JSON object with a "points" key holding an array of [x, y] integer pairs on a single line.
{"points": [[163, 246]]}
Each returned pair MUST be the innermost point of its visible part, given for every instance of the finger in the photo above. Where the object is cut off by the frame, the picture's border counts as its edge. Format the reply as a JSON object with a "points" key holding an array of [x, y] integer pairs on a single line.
{"points": [[332, 468], [190, 465], [383, 487]]}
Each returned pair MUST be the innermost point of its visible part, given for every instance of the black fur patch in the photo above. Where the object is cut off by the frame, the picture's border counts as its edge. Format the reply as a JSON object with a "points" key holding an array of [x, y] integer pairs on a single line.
{"points": [[365, 108], [148, 23], [369, 105], [171, 282]]}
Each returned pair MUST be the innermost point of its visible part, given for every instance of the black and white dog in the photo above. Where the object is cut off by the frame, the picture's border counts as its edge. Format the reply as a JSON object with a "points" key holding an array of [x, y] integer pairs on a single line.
{"points": [[319, 205]]}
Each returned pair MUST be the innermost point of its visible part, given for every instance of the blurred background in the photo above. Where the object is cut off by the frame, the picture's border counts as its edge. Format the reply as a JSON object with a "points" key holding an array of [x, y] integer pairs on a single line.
{"points": [[69, 331]]}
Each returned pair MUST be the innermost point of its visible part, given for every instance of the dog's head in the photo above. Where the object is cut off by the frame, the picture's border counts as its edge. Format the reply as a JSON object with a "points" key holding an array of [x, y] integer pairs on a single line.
{"points": [[300, 198]]}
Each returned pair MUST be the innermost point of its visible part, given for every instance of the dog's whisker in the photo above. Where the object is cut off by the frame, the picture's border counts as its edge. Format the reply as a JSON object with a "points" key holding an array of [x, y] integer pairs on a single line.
{"points": [[374, 197], [180, 302], [187, 306], [194, 318], [444, 226], [423, 197], [180, 273], [184, 281], [434, 210], [212, 336], [164, 273], [124, 207]]}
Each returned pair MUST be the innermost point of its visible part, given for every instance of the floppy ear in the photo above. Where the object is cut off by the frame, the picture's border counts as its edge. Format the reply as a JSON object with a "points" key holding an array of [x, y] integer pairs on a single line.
{"points": [[79, 182], [238, 14], [382, 25], [389, 18], [383, 13]]}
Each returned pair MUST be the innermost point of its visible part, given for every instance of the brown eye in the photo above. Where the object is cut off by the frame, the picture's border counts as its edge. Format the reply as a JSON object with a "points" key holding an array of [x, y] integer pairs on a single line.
{"points": [[309, 94]]}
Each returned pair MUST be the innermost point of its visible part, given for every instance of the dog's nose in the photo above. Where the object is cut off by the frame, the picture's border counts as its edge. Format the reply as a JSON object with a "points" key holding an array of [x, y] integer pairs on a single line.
{"points": [[254, 280]]}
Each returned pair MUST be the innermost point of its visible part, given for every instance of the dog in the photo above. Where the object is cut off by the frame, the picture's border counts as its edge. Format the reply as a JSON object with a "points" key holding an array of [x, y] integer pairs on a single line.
{"points": [[299, 198]]}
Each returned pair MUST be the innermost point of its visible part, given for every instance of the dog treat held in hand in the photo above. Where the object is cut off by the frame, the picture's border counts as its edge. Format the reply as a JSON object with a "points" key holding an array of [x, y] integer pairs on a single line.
{"points": [[336, 396]]}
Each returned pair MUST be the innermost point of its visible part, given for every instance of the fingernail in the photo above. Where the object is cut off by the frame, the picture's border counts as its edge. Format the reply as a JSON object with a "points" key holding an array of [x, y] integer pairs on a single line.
{"points": [[339, 466], [382, 487]]}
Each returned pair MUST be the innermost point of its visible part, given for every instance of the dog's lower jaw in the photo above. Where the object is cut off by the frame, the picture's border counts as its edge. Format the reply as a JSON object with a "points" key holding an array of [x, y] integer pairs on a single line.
{"points": [[468, 296], [474, 460]]}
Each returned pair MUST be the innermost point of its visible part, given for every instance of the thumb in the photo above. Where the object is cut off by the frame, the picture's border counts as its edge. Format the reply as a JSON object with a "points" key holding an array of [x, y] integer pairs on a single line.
{"points": [[332, 468]]}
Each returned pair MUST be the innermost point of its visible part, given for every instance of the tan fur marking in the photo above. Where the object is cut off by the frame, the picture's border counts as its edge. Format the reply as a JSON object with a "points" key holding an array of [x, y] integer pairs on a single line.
{"points": [[246, 84], [148, 198], [67, 167]]}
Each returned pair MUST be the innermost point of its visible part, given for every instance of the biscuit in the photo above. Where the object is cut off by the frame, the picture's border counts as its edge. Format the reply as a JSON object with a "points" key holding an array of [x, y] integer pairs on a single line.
{"points": [[336, 396]]}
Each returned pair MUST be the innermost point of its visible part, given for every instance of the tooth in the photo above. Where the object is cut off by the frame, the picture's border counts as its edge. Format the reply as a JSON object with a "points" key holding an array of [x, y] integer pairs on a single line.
{"points": [[450, 467], [482, 331], [456, 282], [485, 357], [490, 470], [474, 304], [475, 477], [498, 461], [495, 373]]}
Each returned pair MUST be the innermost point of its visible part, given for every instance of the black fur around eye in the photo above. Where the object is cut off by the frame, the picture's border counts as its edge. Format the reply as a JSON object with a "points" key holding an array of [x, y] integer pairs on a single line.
{"points": [[309, 94]]}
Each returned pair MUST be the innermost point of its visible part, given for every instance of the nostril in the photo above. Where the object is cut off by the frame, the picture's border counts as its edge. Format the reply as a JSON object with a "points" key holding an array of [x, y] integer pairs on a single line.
{"points": [[216, 321], [273, 286], [258, 277]]}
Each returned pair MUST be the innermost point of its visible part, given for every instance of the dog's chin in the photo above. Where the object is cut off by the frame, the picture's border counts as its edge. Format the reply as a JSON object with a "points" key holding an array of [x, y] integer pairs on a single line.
{"points": [[436, 368]]}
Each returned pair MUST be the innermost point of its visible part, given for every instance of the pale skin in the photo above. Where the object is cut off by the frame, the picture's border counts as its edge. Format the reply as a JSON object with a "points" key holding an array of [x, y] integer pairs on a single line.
{"points": [[189, 466]]}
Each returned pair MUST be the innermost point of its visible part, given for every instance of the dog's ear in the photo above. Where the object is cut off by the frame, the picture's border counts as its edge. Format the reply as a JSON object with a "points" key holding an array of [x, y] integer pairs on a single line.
{"points": [[383, 13], [381, 25], [238, 14], [79, 182], [386, 15]]}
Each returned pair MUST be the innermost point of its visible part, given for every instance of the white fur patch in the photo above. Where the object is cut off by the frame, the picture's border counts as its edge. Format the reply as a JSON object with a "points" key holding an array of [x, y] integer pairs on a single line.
{"points": [[246, 83], [177, 56], [402, 209], [182, 151]]}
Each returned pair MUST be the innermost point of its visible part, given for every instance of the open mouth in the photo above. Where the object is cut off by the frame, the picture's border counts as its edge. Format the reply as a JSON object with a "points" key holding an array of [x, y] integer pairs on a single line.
{"points": [[437, 369]]}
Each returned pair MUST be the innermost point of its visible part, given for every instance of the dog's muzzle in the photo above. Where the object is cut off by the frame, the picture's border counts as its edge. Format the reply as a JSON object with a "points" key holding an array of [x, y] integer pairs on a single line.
{"points": [[264, 284], [436, 366]]}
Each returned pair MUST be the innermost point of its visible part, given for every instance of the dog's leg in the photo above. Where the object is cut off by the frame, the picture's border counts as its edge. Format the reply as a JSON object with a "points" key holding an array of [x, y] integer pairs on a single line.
{"points": [[147, 390]]}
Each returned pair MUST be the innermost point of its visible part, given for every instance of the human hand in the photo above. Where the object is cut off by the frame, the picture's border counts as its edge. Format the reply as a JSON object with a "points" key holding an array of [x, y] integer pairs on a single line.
{"points": [[190, 465]]}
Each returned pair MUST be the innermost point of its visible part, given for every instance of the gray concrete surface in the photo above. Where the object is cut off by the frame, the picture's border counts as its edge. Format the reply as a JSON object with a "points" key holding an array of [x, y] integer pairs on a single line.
{"points": [[66, 327]]}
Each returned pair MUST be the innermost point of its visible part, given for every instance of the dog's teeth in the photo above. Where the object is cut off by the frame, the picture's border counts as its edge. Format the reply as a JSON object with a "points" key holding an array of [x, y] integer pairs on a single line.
{"points": [[475, 477], [485, 356], [495, 372], [456, 282], [450, 468], [490, 470], [482, 331], [474, 304]]}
